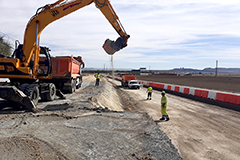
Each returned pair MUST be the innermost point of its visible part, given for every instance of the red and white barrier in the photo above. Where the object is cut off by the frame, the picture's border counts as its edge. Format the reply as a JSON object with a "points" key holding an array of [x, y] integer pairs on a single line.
{"points": [[199, 92]]}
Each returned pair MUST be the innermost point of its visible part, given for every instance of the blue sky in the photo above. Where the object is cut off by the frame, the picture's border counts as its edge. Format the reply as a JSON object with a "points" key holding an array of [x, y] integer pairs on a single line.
{"points": [[164, 34]]}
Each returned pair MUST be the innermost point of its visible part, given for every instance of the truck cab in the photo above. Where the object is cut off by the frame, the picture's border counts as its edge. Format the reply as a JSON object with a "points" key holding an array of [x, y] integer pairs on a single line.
{"points": [[133, 84]]}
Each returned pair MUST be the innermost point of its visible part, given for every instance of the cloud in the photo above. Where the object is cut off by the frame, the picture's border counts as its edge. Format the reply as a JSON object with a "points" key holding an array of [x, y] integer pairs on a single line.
{"points": [[176, 33]]}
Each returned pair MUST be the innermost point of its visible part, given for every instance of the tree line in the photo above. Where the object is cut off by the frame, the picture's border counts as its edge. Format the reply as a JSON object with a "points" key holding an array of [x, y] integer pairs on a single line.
{"points": [[5, 47]]}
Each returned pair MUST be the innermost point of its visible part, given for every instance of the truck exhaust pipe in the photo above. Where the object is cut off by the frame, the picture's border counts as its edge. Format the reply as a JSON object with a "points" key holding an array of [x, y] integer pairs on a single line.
{"points": [[113, 46]]}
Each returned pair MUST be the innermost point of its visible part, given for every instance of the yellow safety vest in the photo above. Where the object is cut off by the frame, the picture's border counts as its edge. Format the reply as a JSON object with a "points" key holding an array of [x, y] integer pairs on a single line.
{"points": [[164, 100], [98, 76], [149, 89]]}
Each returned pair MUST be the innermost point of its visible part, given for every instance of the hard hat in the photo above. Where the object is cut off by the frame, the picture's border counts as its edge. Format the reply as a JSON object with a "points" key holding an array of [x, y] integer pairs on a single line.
{"points": [[163, 92]]}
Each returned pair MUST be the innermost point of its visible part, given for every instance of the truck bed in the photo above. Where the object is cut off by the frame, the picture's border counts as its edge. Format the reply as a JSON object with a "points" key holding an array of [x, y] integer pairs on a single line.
{"points": [[65, 67]]}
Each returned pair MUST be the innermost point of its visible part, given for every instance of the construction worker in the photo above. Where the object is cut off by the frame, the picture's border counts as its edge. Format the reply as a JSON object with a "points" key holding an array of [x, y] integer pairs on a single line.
{"points": [[164, 107], [149, 91], [97, 76]]}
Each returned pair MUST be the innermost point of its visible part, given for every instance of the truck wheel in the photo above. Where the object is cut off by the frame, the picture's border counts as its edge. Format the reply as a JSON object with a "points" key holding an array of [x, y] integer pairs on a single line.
{"points": [[79, 83], [32, 91], [73, 85], [72, 88], [49, 96]]}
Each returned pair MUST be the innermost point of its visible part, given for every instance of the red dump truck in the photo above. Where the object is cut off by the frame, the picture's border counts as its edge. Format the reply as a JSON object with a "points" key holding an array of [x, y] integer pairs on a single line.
{"points": [[66, 73], [130, 81], [65, 77]]}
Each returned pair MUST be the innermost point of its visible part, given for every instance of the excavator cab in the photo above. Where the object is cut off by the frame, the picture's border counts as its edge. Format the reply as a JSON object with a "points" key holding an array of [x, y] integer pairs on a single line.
{"points": [[18, 53], [113, 46], [45, 62]]}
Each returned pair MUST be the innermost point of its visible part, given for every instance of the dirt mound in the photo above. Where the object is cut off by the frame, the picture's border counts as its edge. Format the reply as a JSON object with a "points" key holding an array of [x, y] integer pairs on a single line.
{"points": [[28, 147], [90, 135]]}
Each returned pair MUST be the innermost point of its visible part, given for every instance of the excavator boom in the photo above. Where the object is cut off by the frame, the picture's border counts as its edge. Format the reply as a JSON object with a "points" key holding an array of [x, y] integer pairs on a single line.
{"points": [[52, 12], [25, 59], [31, 69]]}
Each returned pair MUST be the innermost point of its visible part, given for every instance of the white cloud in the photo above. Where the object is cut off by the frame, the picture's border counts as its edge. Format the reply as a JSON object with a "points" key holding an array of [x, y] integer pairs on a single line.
{"points": [[176, 33]]}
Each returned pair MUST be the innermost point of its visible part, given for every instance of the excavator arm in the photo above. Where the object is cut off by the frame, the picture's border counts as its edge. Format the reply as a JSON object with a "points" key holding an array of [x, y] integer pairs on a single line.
{"points": [[30, 67], [52, 12]]}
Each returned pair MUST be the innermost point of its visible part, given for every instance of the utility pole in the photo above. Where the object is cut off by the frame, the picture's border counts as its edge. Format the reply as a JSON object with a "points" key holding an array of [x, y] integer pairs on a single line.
{"points": [[216, 70], [112, 67]]}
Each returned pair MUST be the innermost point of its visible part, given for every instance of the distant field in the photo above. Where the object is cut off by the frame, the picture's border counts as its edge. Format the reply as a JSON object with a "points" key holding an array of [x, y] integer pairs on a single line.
{"points": [[222, 83]]}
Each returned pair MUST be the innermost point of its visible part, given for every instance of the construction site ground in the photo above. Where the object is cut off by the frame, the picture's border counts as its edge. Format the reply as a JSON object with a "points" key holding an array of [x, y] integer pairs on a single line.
{"points": [[112, 122]]}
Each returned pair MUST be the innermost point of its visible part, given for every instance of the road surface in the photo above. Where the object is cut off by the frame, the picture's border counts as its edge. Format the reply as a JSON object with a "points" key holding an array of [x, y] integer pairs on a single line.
{"points": [[90, 124], [199, 131], [83, 126]]}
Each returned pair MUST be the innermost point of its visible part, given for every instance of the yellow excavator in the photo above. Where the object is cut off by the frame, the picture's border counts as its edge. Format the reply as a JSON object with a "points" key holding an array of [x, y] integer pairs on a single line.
{"points": [[24, 67]]}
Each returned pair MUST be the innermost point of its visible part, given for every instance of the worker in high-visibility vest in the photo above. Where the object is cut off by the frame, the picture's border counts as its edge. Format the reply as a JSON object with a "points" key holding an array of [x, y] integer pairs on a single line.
{"points": [[149, 91], [97, 76], [164, 107]]}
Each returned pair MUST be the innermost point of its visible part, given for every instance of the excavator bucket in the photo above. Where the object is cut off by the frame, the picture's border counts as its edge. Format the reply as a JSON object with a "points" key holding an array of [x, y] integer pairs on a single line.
{"points": [[107, 47], [113, 46], [13, 94]]}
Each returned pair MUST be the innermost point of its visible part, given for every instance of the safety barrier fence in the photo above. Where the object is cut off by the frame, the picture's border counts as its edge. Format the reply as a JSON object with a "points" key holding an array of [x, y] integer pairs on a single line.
{"points": [[227, 97]]}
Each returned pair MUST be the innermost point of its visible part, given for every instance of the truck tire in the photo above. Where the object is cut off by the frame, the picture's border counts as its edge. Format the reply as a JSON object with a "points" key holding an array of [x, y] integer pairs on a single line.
{"points": [[72, 88], [31, 90], [79, 83], [49, 96]]}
